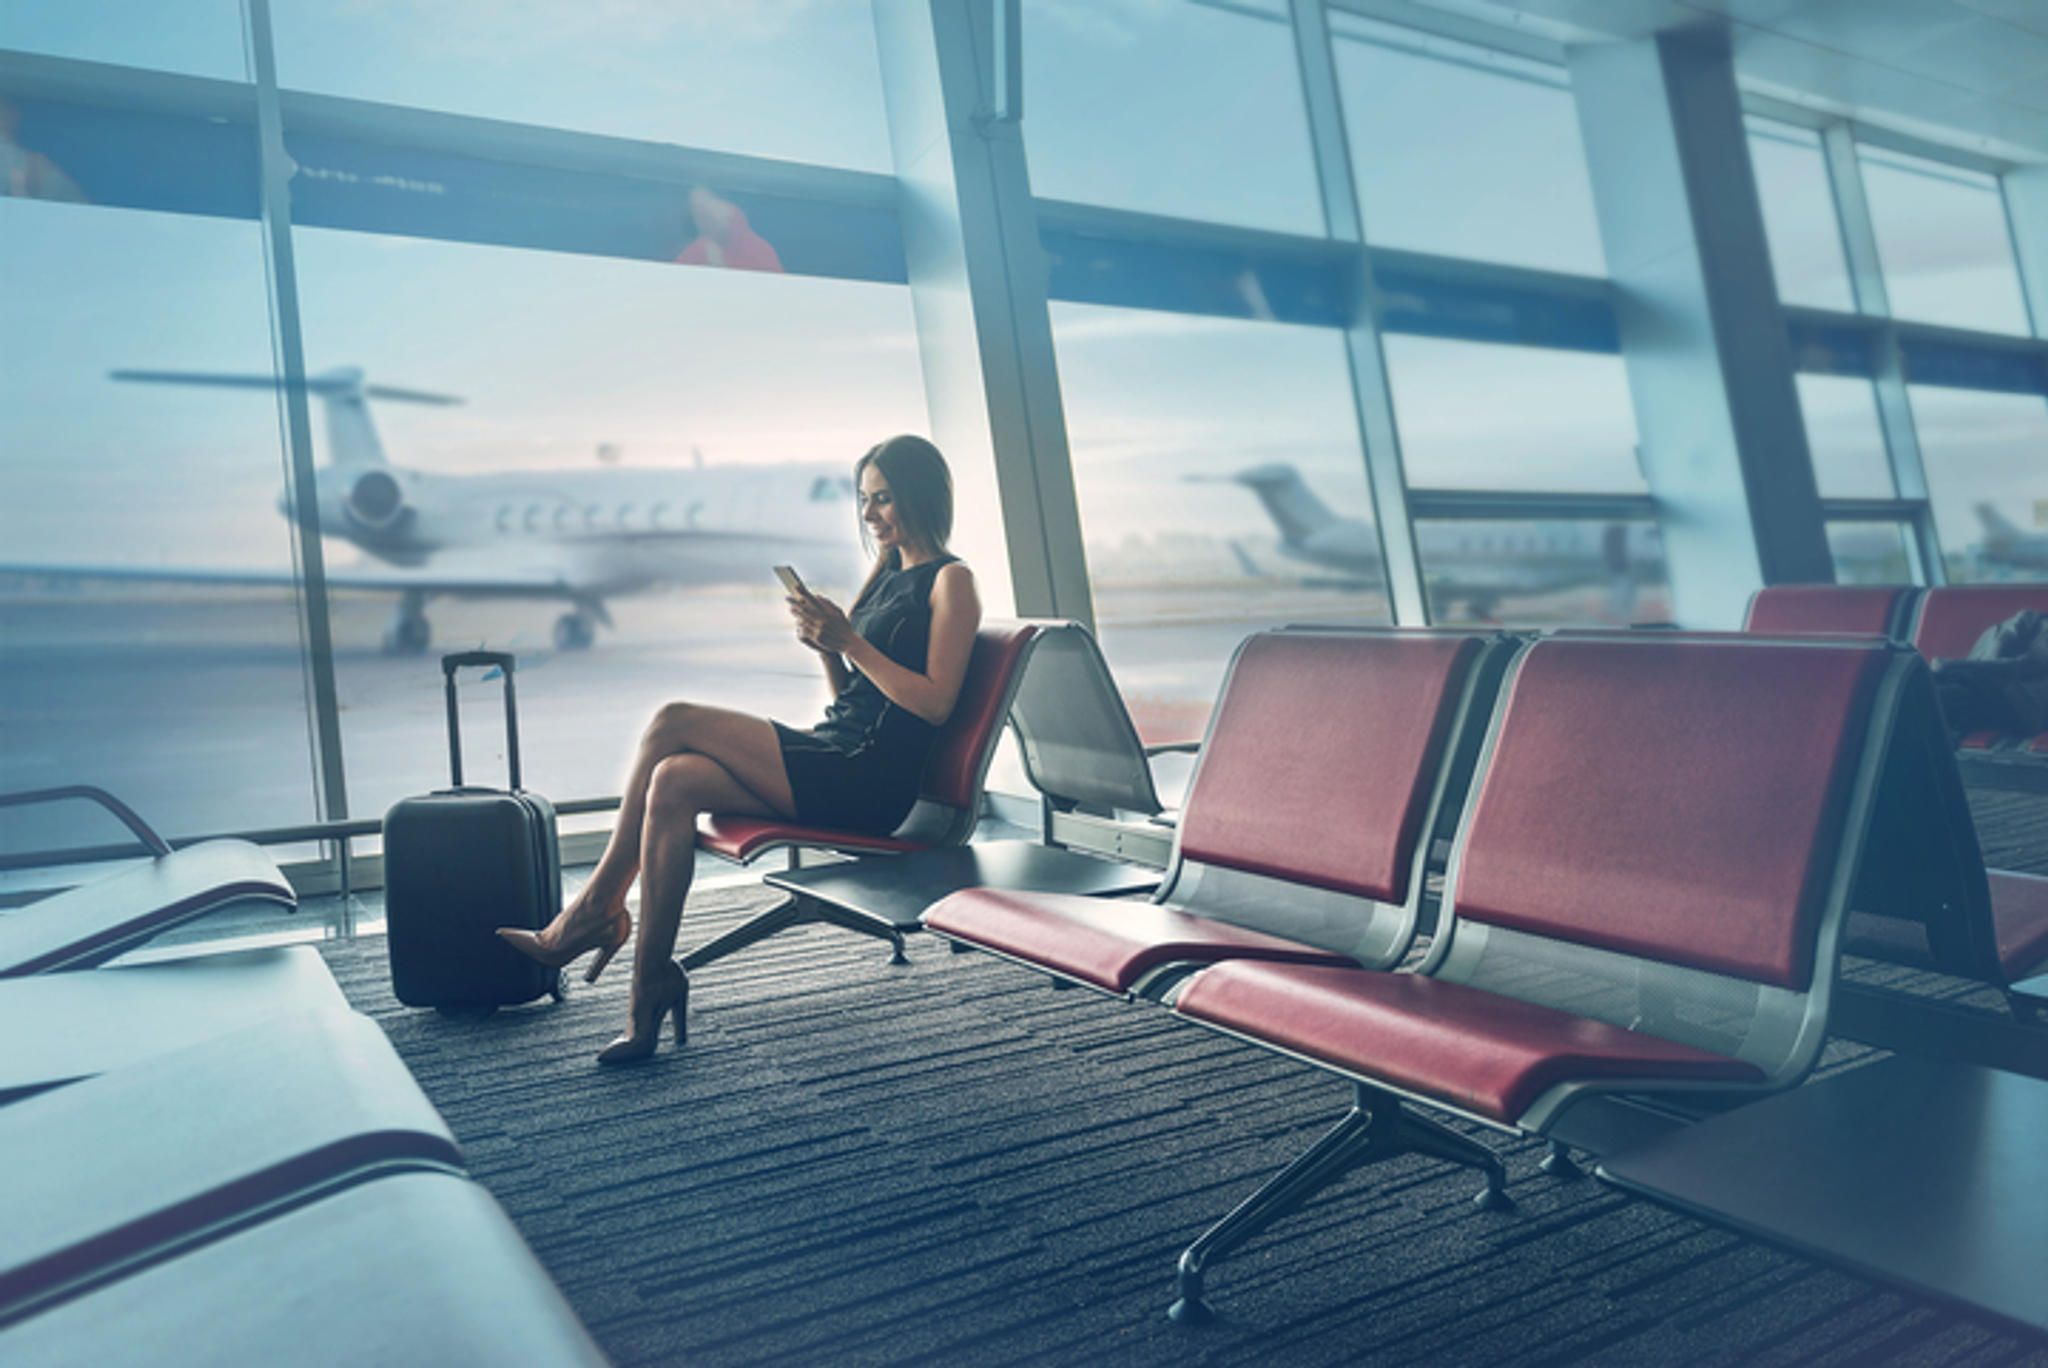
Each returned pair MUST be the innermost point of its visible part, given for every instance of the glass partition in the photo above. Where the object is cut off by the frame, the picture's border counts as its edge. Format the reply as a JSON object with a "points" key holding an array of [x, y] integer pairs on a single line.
{"points": [[594, 464], [1870, 552], [1942, 236], [1185, 109], [147, 602], [800, 82], [1845, 437], [1800, 223], [194, 37], [1987, 474], [1464, 152], [1222, 489], [1475, 415]]}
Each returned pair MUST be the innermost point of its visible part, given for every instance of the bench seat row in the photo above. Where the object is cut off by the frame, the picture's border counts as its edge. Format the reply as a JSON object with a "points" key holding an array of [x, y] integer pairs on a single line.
{"points": [[1655, 843], [266, 1185]]}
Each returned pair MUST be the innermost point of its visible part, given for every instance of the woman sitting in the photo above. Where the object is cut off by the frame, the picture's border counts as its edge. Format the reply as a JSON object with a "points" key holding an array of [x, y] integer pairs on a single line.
{"points": [[895, 666]]}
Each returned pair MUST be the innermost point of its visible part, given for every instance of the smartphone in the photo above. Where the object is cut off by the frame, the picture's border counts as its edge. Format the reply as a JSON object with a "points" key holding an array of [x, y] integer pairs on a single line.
{"points": [[787, 574]]}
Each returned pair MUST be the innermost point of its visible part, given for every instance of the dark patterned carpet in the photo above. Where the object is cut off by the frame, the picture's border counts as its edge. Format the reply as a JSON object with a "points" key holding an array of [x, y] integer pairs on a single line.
{"points": [[950, 1163]]}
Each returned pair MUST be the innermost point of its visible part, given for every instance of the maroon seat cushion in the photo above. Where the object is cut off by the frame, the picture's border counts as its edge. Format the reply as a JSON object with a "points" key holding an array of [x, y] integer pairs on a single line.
{"points": [[1804, 609], [2019, 917], [1109, 944], [1954, 616], [1319, 764], [742, 838], [1488, 1055], [1671, 799]]}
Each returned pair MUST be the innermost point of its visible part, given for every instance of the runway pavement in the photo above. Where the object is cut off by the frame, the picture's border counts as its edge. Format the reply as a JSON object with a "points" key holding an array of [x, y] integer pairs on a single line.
{"points": [[192, 703]]}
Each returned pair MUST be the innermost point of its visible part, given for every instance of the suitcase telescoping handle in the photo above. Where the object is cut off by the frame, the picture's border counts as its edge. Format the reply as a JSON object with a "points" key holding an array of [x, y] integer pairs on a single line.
{"points": [[503, 660]]}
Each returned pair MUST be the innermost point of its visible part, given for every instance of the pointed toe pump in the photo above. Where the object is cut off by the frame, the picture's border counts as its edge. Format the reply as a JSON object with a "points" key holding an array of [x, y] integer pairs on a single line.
{"points": [[607, 941], [671, 998]]}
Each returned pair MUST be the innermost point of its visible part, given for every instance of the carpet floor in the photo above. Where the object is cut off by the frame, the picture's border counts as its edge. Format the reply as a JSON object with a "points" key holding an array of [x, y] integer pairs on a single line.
{"points": [[949, 1163]]}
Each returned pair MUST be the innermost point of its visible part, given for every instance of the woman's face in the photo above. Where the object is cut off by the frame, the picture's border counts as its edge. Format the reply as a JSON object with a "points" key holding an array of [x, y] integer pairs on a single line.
{"points": [[878, 510]]}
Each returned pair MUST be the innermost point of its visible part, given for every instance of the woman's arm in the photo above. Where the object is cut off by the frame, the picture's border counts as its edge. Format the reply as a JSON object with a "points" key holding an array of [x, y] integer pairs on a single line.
{"points": [[956, 615]]}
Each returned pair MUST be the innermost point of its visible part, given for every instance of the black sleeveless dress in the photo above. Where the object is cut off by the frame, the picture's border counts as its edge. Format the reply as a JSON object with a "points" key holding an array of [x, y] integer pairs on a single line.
{"points": [[860, 768]]}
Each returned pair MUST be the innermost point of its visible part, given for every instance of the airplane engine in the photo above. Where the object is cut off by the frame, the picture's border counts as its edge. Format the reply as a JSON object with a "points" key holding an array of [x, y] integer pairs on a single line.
{"points": [[376, 501]]}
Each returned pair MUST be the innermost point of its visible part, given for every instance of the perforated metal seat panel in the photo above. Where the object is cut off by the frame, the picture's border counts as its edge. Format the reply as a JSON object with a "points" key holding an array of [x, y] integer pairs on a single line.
{"points": [[1112, 945], [1480, 1052]]}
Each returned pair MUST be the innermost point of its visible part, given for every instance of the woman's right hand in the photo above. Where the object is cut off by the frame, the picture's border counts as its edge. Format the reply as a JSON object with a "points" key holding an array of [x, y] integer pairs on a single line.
{"points": [[808, 622]]}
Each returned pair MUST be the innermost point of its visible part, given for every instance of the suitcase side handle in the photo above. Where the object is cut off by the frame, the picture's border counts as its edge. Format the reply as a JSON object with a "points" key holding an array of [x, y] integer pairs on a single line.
{"points": [[503, 660]]}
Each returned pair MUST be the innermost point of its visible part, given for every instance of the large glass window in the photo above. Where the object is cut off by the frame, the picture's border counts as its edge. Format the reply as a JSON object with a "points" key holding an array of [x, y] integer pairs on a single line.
{"points": [[1942, 236], [1222, 489], [1869, 553], [797, 81], [147, 609], [627, 462], [1475, 415], [1551, 573], [1987, 474], [1800, 223], [1845, 437], [1465, 152], [1169, 107], [195, 37]]}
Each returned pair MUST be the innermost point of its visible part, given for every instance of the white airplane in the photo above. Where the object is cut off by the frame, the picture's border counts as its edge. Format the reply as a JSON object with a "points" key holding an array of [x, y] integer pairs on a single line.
{"points": [[1478, 563], [2008, 545], [579, 536]]}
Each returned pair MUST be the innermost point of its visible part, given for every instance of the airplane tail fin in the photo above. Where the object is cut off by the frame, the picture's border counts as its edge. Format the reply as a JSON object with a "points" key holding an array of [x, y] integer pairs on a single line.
{"points": [[1290, 503], [1997, 527], [351, 436]]}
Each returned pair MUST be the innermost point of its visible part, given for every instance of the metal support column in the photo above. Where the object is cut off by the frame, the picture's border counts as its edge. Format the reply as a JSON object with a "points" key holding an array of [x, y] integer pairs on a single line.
{"points": [[1888, 367], [951, 76], [1709, 363], [1386, 481], [274, 169]]}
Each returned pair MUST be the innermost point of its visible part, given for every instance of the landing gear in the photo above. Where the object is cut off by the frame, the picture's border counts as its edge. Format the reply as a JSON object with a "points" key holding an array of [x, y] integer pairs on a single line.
{"points": [[408, 633], [575, 631]]}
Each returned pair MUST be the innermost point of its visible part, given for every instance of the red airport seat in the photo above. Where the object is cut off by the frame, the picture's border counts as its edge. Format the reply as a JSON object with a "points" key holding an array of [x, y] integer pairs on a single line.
{"points": [[1647, 896], [1952, 617], [95, 922], [947, 808], [1881, 610], [1323, 779]]}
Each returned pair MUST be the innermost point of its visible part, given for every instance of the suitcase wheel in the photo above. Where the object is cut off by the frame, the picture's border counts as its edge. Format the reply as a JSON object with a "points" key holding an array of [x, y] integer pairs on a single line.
{"points": [[560, 990]]}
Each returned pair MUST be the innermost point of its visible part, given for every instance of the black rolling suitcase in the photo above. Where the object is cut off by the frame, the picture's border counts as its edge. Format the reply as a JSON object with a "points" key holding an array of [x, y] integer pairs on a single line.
{"points": [[461, 862]]}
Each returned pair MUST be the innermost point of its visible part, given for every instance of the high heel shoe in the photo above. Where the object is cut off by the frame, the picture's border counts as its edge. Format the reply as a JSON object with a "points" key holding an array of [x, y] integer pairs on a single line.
{"points": [[671, 999], [606, 942]]}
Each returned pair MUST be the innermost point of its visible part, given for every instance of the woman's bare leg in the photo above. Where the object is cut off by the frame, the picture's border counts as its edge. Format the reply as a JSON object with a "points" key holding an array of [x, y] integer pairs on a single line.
{"points": [[681, 787], [743, 744]]}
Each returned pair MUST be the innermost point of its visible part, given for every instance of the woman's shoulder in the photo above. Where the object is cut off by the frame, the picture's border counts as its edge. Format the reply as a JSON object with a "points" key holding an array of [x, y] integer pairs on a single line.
{"points": [[953, 576]]}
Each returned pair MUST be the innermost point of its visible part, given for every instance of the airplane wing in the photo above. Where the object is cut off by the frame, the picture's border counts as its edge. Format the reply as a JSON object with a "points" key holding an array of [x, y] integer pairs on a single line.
{"points": [[482, 582]]}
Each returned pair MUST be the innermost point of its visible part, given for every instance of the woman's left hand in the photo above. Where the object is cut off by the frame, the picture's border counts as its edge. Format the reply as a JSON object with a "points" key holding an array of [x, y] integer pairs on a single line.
{"points": [[821, 622]]}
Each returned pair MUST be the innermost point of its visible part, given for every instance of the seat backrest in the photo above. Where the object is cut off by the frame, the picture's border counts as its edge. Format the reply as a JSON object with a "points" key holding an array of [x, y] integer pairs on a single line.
{"points": [[1321, 778], [1666, 831], [1855, 609], [949, 803], [1952, 617], [1079, 746]]}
